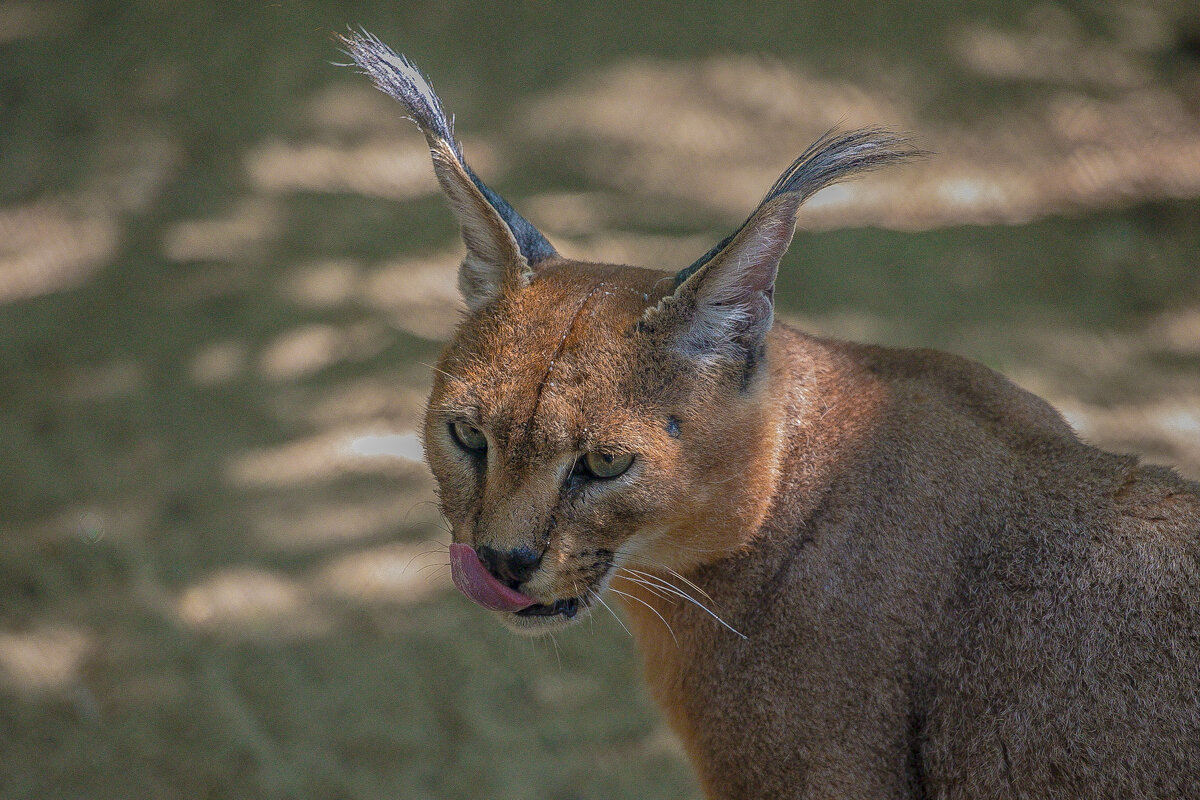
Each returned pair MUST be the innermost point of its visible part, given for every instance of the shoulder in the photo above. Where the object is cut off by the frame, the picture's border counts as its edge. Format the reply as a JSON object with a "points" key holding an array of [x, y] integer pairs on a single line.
{"points": [[953, 386]]}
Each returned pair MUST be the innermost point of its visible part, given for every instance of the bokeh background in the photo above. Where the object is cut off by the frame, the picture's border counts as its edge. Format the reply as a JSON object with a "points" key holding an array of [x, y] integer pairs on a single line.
{"points": [[224, 268]]}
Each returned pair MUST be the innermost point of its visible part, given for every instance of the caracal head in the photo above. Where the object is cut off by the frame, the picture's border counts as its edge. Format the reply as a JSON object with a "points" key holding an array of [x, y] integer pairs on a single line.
{"points": [[590, 420], [563, 425]]}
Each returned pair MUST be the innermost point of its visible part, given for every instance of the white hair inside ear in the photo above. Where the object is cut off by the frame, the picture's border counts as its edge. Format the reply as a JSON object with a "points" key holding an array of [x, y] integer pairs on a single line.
{"points": [[734, 292]]}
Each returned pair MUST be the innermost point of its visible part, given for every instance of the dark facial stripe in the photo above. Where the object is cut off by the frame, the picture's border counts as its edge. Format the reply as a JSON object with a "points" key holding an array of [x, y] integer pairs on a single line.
{"points": [[562, 344]]}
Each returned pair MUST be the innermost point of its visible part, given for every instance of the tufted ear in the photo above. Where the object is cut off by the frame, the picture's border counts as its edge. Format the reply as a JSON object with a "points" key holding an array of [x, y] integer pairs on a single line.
{"points": [[502, 246], [723, 303]]}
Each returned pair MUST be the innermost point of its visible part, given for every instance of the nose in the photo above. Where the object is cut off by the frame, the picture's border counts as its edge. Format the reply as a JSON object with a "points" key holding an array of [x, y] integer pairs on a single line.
{"points": [[512, 567]]}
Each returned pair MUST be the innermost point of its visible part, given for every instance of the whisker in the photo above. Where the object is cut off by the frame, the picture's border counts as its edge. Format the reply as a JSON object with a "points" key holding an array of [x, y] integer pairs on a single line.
{"points": [[699, 589], [648, 563], [675, 590], [438, 547], [645, 561], [414, 507], [652, 608], [596, 595], [454, 378], [591, 618], [655, 590]]}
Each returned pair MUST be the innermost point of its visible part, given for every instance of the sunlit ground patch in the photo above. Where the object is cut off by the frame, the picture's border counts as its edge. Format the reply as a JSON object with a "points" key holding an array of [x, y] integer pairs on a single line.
{"points": [[718, 130], [1167, 431], [47, 658], [20, 19], [245, 600], [373, 399], [1049, 45], [217, 363], [418, 295], [100, 382], [395, 166], [1177, 331], [394, 573], [247, 229], [390, 445], [353, 108], [308, 349], [324, 284], [49, 246], [336, 518], [250, 601], [316, 458]]}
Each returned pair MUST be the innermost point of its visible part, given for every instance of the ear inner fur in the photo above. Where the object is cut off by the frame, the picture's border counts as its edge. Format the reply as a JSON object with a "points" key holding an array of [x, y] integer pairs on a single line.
{"points": [[834, 157], [493, 258], [732, 297]]}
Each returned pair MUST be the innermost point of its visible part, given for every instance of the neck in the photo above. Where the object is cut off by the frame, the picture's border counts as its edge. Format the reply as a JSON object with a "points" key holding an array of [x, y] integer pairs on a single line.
{"points": [[736, 454], [771, 444], [778, 457], [811, 416]]}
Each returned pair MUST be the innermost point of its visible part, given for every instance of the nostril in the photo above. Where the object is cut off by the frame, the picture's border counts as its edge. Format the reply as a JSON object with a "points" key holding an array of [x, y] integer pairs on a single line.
{"points": [[522, 561], [512, 567]]}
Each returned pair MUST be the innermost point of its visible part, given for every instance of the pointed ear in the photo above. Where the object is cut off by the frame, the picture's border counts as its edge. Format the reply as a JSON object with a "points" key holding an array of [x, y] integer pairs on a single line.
{"points": [[502, 246], [724, 302]]}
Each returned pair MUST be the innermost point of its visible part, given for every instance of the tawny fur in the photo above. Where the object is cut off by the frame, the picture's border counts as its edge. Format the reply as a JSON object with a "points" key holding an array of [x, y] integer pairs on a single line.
{"points": [[937, 590]]}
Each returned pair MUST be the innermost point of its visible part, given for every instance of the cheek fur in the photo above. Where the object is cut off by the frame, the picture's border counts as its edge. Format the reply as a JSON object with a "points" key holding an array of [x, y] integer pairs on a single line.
{"points": [[458, 484], [584, 570]]}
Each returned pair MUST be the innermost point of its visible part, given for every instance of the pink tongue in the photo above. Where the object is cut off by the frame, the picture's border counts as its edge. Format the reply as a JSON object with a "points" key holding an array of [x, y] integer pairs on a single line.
{"points": [[473, 580]]}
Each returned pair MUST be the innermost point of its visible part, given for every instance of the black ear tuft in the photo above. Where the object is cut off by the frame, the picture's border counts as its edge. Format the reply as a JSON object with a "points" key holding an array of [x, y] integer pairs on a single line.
{"points": [[501, 244], [835, 156], [724, 301]]}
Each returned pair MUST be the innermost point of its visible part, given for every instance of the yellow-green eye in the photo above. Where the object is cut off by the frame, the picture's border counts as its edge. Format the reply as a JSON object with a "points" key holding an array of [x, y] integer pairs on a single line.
{"points": [[607, 465], [468, 437]]}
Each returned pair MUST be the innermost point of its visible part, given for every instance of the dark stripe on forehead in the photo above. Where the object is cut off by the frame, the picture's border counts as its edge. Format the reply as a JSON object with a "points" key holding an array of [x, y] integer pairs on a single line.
{"points": [[562, 344]]}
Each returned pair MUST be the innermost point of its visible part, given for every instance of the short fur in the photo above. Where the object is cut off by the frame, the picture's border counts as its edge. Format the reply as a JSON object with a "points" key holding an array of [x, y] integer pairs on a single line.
{"points": [[932, 588]]}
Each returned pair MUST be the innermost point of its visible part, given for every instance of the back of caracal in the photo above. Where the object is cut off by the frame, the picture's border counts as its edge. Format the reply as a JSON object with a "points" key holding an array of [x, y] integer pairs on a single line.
{"points": [[852, 571]]}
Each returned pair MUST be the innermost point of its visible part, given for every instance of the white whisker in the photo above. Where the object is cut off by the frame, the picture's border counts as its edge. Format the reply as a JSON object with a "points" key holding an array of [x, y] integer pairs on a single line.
{"points": [[652, 608], [606, 605], [673, 573], [656, 591], [454, 378], [675, 590], [590, 616]]}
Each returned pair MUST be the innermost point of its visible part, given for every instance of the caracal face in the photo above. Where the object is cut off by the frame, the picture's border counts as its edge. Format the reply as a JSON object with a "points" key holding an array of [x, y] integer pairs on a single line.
{"points": [[555, 427]]}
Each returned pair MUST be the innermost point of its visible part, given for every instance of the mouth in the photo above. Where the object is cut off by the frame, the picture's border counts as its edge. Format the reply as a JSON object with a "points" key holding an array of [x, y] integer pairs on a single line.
{"points": [[567, 607], [484, 589]]}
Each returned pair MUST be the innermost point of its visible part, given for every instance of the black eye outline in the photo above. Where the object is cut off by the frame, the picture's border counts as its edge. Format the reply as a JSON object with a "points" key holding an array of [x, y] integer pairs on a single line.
{"points": [[460, 432], [589, 461]]}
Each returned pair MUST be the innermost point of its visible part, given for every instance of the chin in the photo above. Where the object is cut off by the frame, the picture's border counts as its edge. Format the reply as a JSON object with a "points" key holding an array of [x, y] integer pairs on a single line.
{"points": [[542, 619], [534, 626]]}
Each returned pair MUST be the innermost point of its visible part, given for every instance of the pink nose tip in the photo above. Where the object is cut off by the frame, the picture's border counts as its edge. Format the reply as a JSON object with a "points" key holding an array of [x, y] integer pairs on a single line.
{"points": [[473, 580]]}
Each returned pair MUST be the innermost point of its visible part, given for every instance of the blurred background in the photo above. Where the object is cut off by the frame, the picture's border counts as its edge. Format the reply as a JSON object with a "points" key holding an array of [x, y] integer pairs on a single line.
{"points": [[224, 269]]}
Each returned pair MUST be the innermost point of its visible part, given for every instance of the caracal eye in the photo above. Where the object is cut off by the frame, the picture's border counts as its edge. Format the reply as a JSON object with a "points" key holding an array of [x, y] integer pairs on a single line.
{"points": [[607, 465], [468, 437]]}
